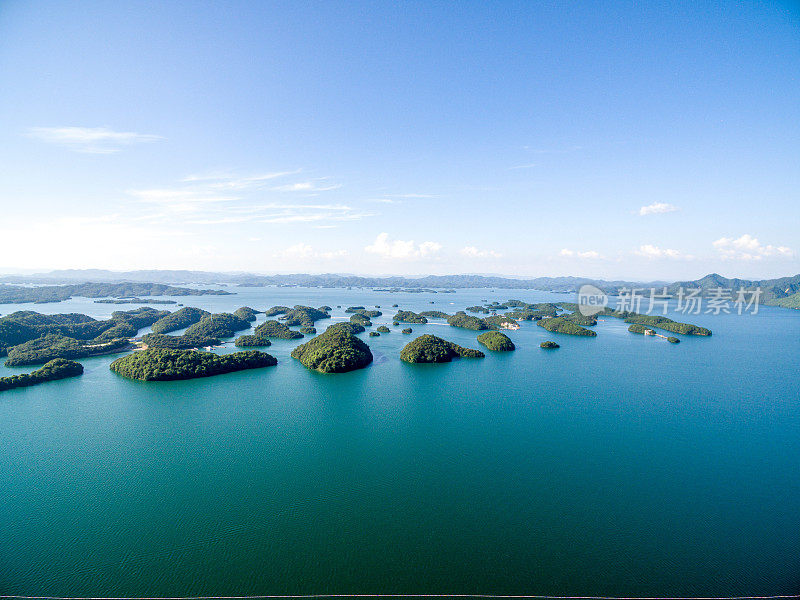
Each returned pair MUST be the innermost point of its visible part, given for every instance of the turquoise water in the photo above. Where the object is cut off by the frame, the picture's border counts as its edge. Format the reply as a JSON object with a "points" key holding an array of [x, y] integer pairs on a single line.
{"points": [[615, 465]]}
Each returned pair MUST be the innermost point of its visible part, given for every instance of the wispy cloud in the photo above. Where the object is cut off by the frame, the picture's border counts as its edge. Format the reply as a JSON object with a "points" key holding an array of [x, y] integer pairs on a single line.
{"points": [[657, 208], [402, 249], [306, 186], [91, 140], [747, 247], [473, 252], [237, 182], [654, 252], [587, 254]]}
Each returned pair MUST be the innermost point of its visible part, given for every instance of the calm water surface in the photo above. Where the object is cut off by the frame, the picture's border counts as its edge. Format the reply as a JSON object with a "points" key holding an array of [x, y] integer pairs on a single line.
{"points": [[615, 465]]}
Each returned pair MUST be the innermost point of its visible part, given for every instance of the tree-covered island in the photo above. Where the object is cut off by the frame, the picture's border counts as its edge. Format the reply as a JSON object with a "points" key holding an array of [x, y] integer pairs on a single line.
{"points": [[58, 368], [496, 341], [431, 349], [560, 325], [170, 365], [336, 350]]}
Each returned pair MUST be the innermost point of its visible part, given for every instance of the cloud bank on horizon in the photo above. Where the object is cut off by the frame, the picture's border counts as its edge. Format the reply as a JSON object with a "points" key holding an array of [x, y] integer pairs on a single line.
{"points": [[226, 150]]}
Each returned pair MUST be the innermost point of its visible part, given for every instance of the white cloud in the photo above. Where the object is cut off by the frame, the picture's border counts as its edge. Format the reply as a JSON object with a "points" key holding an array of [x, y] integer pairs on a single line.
{"points": [[91, 140], [233, 182], [473, 252], [588, 254], [748, 247], [657, 208], [305, 186], [303, 251], [401, 249], [652, 252]]}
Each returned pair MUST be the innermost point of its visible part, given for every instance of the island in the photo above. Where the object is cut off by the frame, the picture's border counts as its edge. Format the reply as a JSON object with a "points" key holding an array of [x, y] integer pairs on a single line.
{"points": [[431, 349], [407, 316], [304, 316], [667, 324], [252, 341], [276, 329], [559, 325], [360, 319], [308, 330], [246, 313], [12, 294], [407, 330], [673, 340], [336, 350], [58, 368], [374, 334], [171, 365], [465, 321], [178, 342], [220, 325], [436, 314], [363, 311], [180, 319], [51, 346], [134, 301], [548, 345], [383, 329], [494, 340]]}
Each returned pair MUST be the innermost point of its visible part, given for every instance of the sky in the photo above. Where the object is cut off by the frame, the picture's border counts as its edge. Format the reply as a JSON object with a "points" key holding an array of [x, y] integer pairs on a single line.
{"points": [[634, 140]]}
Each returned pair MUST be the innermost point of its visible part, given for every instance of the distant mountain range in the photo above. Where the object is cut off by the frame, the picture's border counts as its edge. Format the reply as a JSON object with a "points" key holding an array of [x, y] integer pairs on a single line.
{"points": [[783, 291]]}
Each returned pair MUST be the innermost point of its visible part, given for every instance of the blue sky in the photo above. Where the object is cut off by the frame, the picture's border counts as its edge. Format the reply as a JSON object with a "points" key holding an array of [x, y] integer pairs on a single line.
{"points": [[654, 140]]}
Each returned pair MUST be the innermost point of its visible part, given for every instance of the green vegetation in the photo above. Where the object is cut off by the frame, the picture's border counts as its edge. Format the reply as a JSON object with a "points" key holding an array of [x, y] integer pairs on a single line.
{"points": [[436, 314], [336, 350], [245, 313], [276, 329], [580, 319], [792, 301], [636, 328], [465, 321], [360, 319], [304, 316], [673, 340], [667, 324], [494, 340], [276, 310], [383, 329], [51, 346], [559, 325], [395, 323], [220, 325], [374, 334], [478, 309], [178, 342], [135, 301], [407, 330], [500, 321], [431, 349], [407, 316], [352, 328], [53, 370], [10, 294], [252, 341], [360, 310], [180, 319], [169, 365], [307, 330], [548, 345]]}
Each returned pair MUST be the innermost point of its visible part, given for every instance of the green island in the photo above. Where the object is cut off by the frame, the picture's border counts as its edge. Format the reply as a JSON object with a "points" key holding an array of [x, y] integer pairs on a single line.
{"points": [[431, 349], [501, 322], [303, 315], [48, 347], [220, 325], [276, 329], [246, 313], [383, 329], [407, 316], [478, 309], [548, 345], [276, 310], [178, 342], [360, 310], [12, 294], [560, 325], [374, 334], [408, 330], [58, 368], [494, 340], [360, 319], [252, 341], [336, 350], [435, 314], [465, 321], [667, 324], [353, 328], [308, 330], [179, 319], [673, 340], [170, 365]]}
